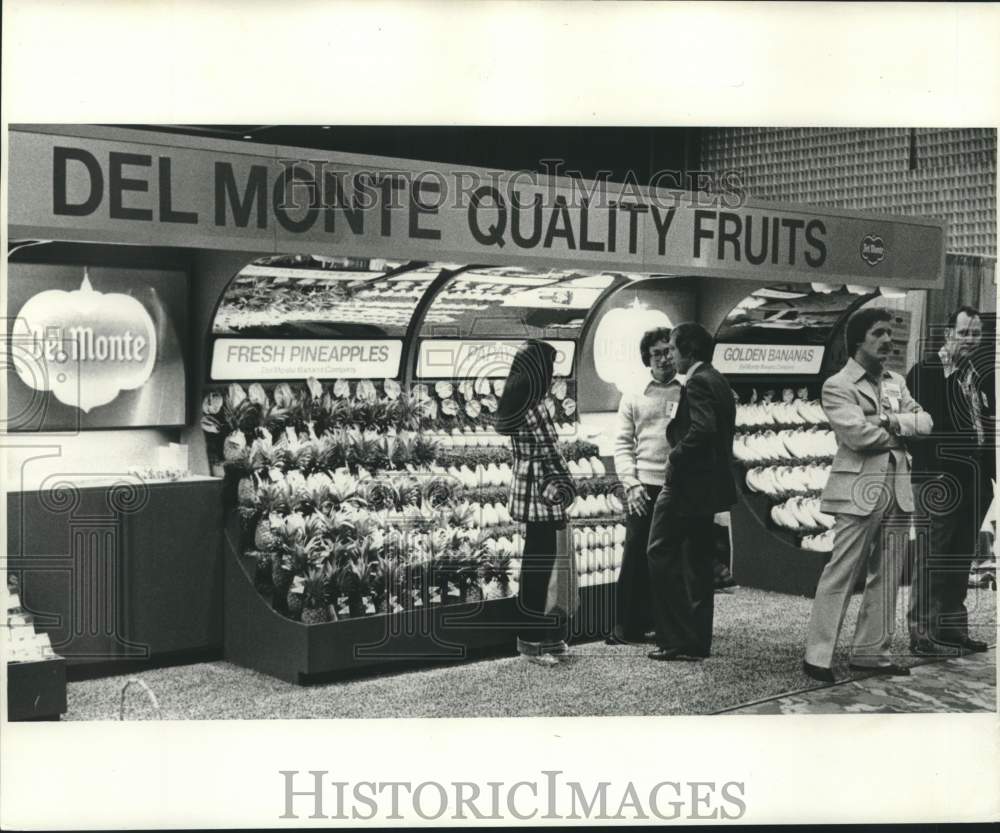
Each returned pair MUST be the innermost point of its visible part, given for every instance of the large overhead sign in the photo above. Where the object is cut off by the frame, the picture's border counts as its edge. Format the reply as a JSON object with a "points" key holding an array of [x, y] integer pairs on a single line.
{"points": [[168, 190]]}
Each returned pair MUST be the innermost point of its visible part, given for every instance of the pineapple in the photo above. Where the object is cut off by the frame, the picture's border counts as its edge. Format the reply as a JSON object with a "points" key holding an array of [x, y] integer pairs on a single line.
{"points": [[315, 609], [235, 451], [471, 568], [294, 602], [368, 451], [353, 580], [246, 492], [262, 571], [301, 453], [281, 578], [402, 452], [405, 413], [425, 451], [264, 537], [385, 581], [333, 413], [330, 452], [496, 574]]}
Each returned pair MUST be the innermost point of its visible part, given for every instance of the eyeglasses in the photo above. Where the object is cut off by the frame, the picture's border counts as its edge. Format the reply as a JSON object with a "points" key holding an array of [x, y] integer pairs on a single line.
{"points": [[659, 354]]}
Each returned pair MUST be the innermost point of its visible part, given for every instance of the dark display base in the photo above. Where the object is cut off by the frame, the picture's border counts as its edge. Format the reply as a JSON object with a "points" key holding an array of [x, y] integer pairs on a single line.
{"points": [[36, 690], [116, 576], [258, 637], [770, 559]]}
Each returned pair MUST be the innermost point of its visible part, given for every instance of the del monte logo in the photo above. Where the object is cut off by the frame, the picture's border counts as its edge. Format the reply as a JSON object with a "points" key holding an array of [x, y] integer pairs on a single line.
{"points": [[86, 346], [872, 249]]}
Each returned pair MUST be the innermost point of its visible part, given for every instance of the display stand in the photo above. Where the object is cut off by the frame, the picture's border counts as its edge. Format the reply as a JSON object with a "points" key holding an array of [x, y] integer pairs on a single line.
{"points": [[150, 554], [258, 637], [36, 690], [770, 559]]}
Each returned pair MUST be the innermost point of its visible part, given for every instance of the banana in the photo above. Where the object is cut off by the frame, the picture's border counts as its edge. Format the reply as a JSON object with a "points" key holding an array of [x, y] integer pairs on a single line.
{"points": [[802, 514]]}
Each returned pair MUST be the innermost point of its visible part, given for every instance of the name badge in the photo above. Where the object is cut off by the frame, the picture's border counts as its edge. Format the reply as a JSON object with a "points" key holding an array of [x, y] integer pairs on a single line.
{"points": [[892, 390], [671, 410]]}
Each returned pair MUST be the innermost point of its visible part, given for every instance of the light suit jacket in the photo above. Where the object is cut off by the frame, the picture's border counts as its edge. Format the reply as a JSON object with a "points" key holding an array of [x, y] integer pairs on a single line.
{"points": [[853, 403]]}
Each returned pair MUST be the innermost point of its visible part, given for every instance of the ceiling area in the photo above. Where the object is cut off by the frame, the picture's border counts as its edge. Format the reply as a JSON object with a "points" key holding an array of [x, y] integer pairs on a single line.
{"points": [[622, 152]]}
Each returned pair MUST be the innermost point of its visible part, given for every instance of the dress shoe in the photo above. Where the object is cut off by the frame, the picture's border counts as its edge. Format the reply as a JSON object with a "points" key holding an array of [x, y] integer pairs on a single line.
{"points": [[974, 645], [890, 670], [818, 672], [674, 655], [927, 648], [614, 639]]}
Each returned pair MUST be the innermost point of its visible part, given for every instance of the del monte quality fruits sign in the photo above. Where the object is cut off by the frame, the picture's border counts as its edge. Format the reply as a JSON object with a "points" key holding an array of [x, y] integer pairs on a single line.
{"points": [[94, 348], [86, 346], [122, 186]]}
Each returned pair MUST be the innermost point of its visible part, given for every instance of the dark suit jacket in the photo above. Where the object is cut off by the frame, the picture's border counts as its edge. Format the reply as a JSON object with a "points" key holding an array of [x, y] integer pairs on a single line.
{"points": [[952, 447], [700, 473]]}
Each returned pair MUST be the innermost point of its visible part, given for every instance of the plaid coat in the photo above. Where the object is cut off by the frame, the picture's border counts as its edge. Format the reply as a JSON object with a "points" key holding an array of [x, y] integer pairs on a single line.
{"points": [[537, 462]]}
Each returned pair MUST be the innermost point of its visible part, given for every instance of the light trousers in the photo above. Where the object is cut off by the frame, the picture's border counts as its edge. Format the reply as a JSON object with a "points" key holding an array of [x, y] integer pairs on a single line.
{"points": [[876, 542]]}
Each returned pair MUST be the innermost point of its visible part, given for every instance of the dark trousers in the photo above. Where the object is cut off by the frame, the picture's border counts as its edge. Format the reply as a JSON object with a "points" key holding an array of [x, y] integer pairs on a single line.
{"points": [[633, 606], [540, 631], [941, 576], [682, 587]]}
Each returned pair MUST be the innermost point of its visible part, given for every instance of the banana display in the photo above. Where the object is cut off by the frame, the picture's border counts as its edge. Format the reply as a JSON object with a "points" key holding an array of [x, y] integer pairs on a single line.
{"points": [[781, 481], [599, 550], [769, 414], [787, 448], [801, 514], [787, 444], [819, 543]]}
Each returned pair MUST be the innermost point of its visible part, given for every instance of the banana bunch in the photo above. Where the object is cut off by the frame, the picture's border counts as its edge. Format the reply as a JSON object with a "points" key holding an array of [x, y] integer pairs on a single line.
{"points": [[595, 506], [777, 481], [798, 513], [754, 416], [819, 543], [584, 467], [768, 414], [786, 444], [807, 444]]}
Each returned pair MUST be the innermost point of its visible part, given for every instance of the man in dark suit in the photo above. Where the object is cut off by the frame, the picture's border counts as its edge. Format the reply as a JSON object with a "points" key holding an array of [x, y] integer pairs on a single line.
{"points": [[954, 465], [697, 484]]}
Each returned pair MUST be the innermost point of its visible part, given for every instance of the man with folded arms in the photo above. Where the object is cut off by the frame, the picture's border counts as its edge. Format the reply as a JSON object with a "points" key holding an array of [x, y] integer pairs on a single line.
{"points": [[871, 412], [955, 468]]}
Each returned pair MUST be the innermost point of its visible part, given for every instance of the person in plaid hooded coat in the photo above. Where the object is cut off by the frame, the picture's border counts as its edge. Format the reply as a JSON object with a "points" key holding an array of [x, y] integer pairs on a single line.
{"points": [[540, 492]]}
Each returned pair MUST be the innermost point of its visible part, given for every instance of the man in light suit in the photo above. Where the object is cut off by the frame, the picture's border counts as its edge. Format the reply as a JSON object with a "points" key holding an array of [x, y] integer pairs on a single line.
{"points": [[869, 491]]}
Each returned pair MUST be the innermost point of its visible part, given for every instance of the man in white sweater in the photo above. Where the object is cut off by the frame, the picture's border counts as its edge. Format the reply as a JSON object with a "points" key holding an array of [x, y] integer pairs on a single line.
{"points": [[641, 451]]}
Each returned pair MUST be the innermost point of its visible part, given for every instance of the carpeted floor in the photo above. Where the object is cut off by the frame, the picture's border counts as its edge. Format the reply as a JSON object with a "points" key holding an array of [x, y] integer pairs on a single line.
{"points": [[757, 654], [966, 684]]}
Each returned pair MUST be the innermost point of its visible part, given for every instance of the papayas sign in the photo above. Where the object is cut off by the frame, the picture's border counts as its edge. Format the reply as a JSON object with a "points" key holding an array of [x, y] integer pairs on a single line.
{"points": [[84, 346]]}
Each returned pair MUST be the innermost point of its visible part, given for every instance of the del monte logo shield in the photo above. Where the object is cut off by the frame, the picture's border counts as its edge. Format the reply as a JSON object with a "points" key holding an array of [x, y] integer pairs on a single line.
{"points": [[88, 345], [872, 249]]}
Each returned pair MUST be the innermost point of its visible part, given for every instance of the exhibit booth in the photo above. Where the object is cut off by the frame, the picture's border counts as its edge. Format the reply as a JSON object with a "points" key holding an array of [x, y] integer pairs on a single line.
{"points": [[252, 388]]}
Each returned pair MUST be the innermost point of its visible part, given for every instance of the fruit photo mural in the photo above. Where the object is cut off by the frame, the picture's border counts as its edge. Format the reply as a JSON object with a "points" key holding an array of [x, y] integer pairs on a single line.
{"points": [[364, 497]]}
